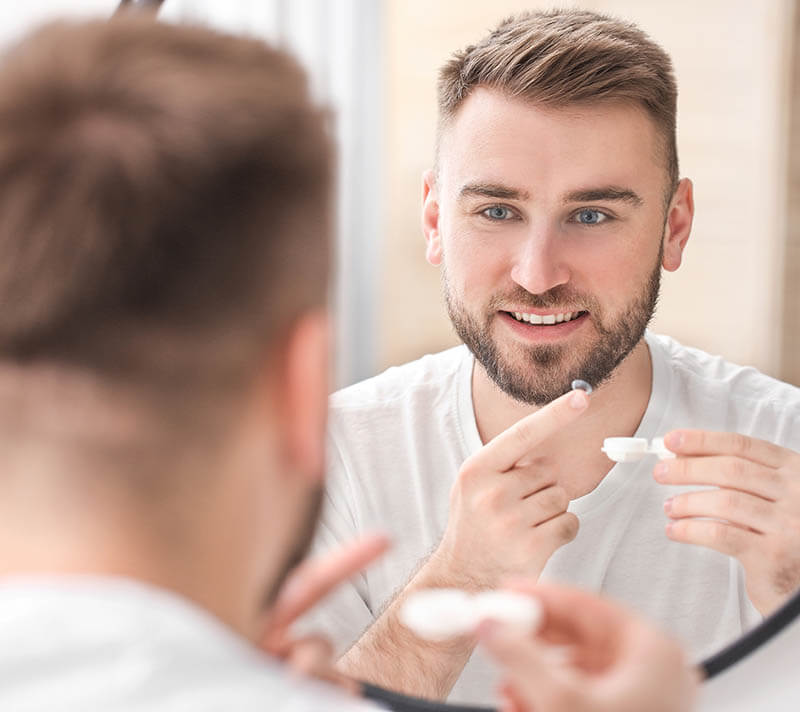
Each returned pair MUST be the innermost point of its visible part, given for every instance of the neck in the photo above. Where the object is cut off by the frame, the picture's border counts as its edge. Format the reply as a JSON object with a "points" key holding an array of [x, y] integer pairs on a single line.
{"points": [[617, 407], [93, 483], [58, 520]]}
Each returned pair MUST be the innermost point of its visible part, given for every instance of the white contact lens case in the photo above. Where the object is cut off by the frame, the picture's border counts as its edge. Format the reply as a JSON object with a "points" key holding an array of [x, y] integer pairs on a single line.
{"points": [[634, 449], [440, 613]]}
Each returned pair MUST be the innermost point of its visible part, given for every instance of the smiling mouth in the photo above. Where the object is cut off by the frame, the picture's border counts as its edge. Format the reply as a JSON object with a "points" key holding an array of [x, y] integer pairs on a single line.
{"points": [[546, 319]]}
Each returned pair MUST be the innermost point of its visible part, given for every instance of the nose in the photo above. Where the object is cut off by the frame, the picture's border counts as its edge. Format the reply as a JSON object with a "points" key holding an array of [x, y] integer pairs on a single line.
{"points": [[539, 265]]}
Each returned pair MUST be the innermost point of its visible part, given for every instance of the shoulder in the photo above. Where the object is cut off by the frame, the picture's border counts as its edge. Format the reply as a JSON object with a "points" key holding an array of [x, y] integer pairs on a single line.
{"points": [[425, 378], [729, 396], [702, 369]]}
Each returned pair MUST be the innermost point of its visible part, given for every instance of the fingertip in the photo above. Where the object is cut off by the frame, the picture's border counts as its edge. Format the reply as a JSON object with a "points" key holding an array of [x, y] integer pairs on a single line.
{"points": [[379, 539], [579, 399], [673, 440], [486, 630]]}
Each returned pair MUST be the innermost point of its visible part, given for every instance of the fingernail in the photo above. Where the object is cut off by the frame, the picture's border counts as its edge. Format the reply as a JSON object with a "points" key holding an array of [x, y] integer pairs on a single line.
{"points": [[668, 505], [669, 528], [660, 471], [673, 440], [579, 400]]}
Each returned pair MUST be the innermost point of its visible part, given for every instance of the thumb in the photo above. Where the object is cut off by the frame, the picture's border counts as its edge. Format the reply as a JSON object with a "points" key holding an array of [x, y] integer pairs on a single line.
{"points": [[538, 675]]}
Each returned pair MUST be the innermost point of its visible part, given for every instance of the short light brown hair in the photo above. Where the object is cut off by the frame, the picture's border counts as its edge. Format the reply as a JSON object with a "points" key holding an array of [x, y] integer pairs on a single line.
{"points": [[564, 57], [164, 201]]}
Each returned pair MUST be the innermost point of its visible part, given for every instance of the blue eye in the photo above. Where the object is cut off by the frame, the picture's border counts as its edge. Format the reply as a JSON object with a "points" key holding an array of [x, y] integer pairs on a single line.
{"points": [[590, 217], [497, 212]]}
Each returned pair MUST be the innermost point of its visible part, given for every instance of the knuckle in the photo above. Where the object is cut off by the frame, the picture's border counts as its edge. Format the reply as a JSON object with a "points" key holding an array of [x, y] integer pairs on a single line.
{"points": [[723, 537], [523, 432], [509, 523], [679, 468], [469, 470], [679, 505], [695, 440], [568, 527], [779, 482], [731, 500], [736, 468], [740, 444], [488, 501], [559, 498]]}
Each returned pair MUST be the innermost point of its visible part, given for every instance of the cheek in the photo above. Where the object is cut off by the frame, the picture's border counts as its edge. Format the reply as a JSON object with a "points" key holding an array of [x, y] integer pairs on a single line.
{"points": [[613, 268], [478, 256], [475, 269]]}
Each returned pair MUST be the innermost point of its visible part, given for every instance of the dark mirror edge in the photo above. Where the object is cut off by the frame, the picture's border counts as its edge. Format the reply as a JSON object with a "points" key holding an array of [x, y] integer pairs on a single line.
{"points": [[752, 640], [710, 667]]}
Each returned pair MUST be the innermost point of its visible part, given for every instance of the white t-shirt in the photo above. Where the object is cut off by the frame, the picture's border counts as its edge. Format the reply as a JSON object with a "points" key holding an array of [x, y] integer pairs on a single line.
{"points": [[396, 443], [86, 644]]}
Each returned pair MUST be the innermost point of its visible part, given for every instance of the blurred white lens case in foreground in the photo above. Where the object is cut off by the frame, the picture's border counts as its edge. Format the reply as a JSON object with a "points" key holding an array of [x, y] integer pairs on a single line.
{"points": [[634, 449], [440, 613]]}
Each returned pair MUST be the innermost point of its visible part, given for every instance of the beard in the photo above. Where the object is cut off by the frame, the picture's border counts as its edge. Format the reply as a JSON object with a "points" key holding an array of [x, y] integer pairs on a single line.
{"points": [[538, 374], [301, 546]]}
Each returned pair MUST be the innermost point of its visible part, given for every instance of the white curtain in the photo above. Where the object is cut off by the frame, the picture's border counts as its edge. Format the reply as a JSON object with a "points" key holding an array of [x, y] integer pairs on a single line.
{"points": [[339, 43]]}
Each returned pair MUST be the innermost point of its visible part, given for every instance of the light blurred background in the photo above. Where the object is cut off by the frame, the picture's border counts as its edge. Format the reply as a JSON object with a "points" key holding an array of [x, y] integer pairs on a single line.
{"points": [[738, 291]]}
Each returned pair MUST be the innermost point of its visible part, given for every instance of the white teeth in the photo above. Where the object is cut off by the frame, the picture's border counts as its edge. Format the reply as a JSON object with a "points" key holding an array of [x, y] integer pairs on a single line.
{"points": [[547, 319]]}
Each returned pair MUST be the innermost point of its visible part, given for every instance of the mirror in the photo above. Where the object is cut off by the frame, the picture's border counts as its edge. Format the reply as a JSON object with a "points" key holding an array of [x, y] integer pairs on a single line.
{"points": [[765, 654], [701, 594], [731, 143]]}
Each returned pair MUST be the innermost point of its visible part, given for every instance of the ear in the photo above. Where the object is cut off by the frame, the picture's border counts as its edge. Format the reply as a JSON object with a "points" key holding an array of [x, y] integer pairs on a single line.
{"points": [[679, 225], [430, 218], [305, 392]]}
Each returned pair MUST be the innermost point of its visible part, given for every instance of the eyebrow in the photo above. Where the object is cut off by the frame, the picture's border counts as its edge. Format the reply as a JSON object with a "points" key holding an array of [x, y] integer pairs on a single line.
{"points": [[609, 193], [589, 195], [492, 190]]}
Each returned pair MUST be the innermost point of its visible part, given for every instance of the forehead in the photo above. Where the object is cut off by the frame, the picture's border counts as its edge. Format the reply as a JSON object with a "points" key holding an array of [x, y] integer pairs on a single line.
{"points": [[548, 151]]}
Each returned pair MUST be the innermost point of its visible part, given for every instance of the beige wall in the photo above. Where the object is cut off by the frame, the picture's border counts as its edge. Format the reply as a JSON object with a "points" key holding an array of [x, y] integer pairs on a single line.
{"points": [[732, 60]]}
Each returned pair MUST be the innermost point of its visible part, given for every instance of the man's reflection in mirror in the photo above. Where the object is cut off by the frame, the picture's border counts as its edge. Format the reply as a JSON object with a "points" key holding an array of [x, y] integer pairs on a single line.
{"points": [[554, 204]]}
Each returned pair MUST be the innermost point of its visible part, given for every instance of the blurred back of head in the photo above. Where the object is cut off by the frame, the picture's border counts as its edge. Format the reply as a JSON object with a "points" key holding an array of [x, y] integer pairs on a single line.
{"points": [[163, 205]]}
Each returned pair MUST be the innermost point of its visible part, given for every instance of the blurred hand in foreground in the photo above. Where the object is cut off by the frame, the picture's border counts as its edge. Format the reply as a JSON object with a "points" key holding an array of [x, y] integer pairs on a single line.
{"points": [[588, 656], [306, 586]]}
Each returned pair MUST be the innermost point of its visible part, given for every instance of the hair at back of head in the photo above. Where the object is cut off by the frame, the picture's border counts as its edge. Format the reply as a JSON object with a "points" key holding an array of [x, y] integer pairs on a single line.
{"points": [[164, 200]]}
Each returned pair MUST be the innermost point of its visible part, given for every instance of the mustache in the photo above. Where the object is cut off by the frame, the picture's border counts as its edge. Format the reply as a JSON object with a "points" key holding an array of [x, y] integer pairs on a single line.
{"points": [[559, 296]]}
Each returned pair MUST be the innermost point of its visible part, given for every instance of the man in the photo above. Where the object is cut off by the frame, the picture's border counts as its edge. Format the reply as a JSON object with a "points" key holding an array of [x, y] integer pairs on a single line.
{"points": [[554, 205], [164, 221]]}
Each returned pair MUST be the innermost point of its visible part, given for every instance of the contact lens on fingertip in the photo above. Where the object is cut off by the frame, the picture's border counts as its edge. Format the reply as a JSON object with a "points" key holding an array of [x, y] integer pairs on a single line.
{"points": [[579, 385]]}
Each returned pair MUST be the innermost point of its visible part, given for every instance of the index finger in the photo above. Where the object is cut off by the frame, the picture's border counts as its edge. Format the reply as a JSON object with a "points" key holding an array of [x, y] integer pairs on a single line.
{"points": [[708, 442], [314, 579], [508, 448]]}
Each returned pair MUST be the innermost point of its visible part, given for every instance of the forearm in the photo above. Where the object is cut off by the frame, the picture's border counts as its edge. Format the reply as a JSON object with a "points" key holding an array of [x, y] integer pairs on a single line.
{"points": [[389, 655]]}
